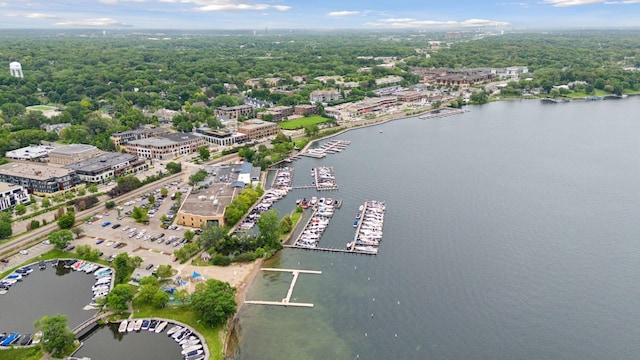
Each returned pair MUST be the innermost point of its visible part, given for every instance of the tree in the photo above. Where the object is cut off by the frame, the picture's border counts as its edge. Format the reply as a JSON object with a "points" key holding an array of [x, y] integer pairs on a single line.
{"points": [[189, 235], [160, 299], [148, 288], [77, 231], [210, 236], [197, 177], [164, 192], [140, 215], [214, 301], [311, 130], [286, 224], [151, 199], [118, 298], [269, 230], [46, 203], [20, 209], [56, 335], [5, 225], [181, 295], [93, 188], [110, 204], [204, 153], [60, 238], [164, 271], [174, 167], [67, 220]]}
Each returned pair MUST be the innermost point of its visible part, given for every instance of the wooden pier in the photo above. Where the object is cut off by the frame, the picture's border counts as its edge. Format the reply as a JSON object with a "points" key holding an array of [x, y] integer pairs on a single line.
{"points": [[329, 250], [286, 301]]}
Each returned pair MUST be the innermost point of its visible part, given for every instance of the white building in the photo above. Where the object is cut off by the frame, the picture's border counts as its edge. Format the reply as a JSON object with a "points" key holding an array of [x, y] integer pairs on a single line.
{"points": [[16, 69], [12, 195], [30, 153]]}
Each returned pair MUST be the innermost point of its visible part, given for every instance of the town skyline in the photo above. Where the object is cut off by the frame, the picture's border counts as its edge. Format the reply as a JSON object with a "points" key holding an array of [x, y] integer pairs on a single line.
{"points": [[329, 14]]}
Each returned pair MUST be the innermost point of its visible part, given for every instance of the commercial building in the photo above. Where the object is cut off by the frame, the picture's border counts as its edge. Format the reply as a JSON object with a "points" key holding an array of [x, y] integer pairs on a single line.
{"points": [[39, 179], [73, 153], [255, 128], [12, 195], [234, 112], [168, 146], [30, 153], [305, 110], [124, 137], [324, 96], [104, 167], [207, 205], [222, 137]]}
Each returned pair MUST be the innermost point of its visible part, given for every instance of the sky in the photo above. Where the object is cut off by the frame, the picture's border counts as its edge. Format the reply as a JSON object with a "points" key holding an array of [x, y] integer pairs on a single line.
{"points": [[318, 14]]}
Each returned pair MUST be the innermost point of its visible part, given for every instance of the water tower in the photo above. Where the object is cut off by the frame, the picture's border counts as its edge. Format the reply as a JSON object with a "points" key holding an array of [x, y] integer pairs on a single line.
{"points": [[16, 69]]}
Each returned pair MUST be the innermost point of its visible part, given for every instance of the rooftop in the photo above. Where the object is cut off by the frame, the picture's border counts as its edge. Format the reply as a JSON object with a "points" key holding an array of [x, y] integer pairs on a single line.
{"points": [[209, 202], [4, 187], [74, 149], [165, 140], [33, 171], [104, 161], [30, 151]]}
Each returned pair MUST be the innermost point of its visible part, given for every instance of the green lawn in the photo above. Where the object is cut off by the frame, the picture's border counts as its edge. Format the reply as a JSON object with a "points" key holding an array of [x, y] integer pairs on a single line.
{"points": [[214, 336], [41, 107], [21, 353], [302, 122]]}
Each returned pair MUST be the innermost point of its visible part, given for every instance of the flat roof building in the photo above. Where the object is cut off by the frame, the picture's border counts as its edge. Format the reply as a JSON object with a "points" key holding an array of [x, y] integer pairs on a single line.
{"points": [[38, 178], [73, 153], [255, 128], [122, 138], [168, 146], [30, 153], [207, 206], [107, 166], [234, 112], [12, 195]]}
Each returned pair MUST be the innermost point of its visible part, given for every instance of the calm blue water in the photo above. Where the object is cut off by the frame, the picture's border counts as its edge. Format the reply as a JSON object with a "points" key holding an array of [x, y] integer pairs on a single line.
{"points": [[511, 232]]}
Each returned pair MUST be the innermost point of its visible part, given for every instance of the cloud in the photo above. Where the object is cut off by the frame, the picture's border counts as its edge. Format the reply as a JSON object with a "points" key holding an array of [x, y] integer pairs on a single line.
{"points": [[41, 16], [230, 5], [101, 22], [517, 4], [568, 3], [405, 23], [117, 1], [4, 4], [343, 13]]}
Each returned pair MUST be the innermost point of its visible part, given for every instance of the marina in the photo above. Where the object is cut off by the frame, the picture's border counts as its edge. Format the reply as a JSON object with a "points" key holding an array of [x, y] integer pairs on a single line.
{"points": [[324, 178], [368, 224], [442, 113], [331, 147], [323, 210]]}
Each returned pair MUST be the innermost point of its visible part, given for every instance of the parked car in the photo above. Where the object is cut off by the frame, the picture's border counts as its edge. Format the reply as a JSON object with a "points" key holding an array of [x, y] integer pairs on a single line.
{"points": [[70, 248], [110, 259], [106, 223], [115, 226], [23, 252], [100, 241], [5, 260], [149, 267]]}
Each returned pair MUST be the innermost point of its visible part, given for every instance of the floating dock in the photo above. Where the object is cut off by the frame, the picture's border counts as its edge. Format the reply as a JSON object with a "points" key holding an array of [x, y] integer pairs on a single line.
{"points": [[286, 301], [324, 178], [332, 147], [442, 113]]}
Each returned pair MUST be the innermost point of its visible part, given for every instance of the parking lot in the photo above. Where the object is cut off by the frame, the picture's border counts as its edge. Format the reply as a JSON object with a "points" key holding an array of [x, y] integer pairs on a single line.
{"points": [[113, 234]]}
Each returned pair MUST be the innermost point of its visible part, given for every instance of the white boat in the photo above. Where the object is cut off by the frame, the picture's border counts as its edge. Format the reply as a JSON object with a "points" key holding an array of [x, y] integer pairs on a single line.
{"points": [[99, 289], [191, 348], [123, 326], [138, 325], [160, 327], [174, 329], [104, 280], [102, 272], [131, 326], [37, 337]]}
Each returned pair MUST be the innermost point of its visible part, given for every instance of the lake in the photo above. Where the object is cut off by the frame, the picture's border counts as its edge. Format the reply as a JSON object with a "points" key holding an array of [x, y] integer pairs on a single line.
{"points": [[511, 232]]}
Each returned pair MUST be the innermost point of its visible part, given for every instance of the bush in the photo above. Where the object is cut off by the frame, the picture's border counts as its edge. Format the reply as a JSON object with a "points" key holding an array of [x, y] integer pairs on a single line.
{"points": [[245, 257], [220, 260]]}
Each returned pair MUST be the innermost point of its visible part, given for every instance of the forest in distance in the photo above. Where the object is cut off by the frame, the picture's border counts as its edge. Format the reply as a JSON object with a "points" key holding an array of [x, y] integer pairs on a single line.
{"points": [[82, 71]]}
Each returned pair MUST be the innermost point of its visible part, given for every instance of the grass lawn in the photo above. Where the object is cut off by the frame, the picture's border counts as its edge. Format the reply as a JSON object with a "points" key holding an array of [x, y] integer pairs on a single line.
{"points": [[579, 95], [41, 107], [302, 122], [214, 336], [21, 353]]}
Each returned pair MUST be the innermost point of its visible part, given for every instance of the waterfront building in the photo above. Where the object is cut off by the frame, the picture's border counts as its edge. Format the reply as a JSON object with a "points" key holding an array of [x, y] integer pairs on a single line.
{"points": [[168, 146], [30, 153], [234, 112], [12, 195], [324, 96], [107, 166], [69, 154], [305, 110], [39, 179], [206, 206], [222, 137]]}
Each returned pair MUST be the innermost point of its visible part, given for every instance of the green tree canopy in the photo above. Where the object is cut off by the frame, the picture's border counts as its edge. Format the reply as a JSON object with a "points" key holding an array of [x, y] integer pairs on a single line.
{"points": [[66, 221], [61, 238], [214, 301], [56, 335], [118, 298]]}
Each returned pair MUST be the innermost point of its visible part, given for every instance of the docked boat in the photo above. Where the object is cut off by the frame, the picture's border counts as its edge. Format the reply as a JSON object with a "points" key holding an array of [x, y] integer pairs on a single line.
{"points": [[131, 326], [14, 276], [138, 325], [123, 326], [191, 348], [145, 325], [77, 265], [102, 272], [37, 337], [173, 330], [26, 340], [177, 336], [195, 357], [10, 339], [42, 265], [161, 327], [104, 280], [194, 353], [153, 324]]}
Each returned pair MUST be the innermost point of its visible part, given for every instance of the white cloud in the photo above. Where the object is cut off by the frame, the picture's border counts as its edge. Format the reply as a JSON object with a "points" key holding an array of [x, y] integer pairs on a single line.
{"points": [[343, 13], [101, 22], [414, 23], [229, 5], [568, 3], [4, 4], [41, 16], [117, 1]]}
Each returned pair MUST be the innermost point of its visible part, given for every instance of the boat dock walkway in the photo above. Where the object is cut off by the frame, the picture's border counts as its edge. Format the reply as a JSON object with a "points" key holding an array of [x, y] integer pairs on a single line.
{"points": [[329, 250], [443, 113], [286, 301], [332, 147], [90, 322]]}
